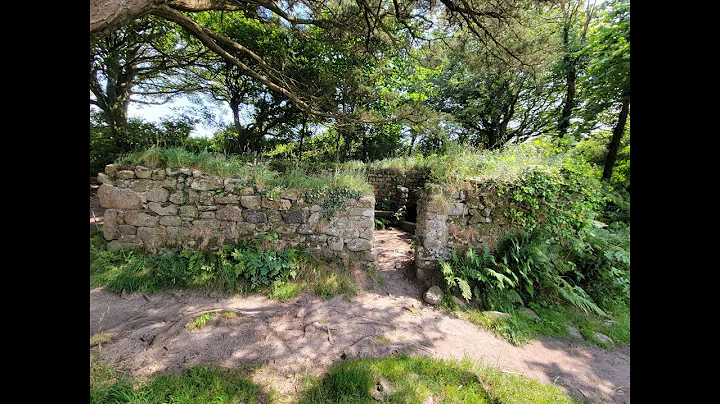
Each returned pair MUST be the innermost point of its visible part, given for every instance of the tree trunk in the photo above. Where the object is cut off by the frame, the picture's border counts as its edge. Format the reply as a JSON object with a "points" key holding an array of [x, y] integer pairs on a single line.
{"points": [[570, 64], [570, 78], [108, 15], [337, 147], [302, 139], [412, 142], [615, 141], [242, 139]]}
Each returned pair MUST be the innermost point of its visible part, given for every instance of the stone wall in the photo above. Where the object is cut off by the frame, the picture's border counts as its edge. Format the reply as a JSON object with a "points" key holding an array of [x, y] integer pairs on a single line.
{"points": [[460, 218], [174, 209], [385, 183]]}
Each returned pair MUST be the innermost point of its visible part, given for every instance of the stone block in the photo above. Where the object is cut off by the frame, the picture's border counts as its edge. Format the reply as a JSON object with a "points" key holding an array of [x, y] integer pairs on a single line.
{"points": [[230, 212], [110, 225], [206, 183], [126, 229], [170, 221], [188, 211], [158, 174], [141, 219], [118, 198], [157, 195], [206, 223], [125, 175], [253, 216], [250, 202], [359, 244], [142, 172], [294, 217], [163, 209], [335, 243]]}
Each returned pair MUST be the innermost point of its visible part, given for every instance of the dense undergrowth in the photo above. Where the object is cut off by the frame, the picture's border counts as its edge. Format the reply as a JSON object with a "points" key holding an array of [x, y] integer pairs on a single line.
{"points": [[251, 266]]}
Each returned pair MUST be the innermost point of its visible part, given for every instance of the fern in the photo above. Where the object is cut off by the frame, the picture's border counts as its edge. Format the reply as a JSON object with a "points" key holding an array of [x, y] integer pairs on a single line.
{"points": [[464, 289], [502, 300], [451, 281], [576, 296]]}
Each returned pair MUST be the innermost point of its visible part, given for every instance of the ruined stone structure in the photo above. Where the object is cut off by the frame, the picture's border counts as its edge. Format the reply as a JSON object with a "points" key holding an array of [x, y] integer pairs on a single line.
{"points": [[173, 209], [388, 185], [459, 218]]}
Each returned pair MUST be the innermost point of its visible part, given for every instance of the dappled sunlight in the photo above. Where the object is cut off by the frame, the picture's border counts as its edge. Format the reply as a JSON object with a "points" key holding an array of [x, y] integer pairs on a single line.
{"points": [[282, 342]]}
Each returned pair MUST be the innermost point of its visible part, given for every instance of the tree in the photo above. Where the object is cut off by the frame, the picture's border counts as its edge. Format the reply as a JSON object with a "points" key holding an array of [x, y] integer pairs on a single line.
{"points": [[106, 146], [573, 40], [496, 100], [372, 22], [607, 83], [139, 63]]}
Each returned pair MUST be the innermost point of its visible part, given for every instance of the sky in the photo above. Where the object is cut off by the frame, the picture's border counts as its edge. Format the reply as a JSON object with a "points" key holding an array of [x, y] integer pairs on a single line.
{"points": [[155, 113]]}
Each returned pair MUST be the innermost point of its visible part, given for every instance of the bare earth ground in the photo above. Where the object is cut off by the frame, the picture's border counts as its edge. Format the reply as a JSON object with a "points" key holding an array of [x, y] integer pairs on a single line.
{"points": [[306, 335]]}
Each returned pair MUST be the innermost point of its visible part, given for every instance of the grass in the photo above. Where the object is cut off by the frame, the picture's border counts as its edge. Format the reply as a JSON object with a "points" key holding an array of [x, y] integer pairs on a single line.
{"points": [[138, 271], [466, 163], [414, 379], [197, 384], [202, 320], [405, 379], [462, 163], [248, 171], [520, 330]]}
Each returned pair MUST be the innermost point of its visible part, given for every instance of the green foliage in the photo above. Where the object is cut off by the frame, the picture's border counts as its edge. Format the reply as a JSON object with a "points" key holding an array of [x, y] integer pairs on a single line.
{"points": [[523, 268], [335, 284], [514, 329], [607, 80], [332, 200], [479, 272], [262, 267], [593, 149], [197, 384], [604, 259], [552, 320], [413, 379], [254, 172], [106, 146], [284, 290], [200, 321], [246, 267]]}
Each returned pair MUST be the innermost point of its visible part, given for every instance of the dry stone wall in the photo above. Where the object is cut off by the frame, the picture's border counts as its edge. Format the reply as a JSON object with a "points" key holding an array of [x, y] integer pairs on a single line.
{"points": [[459, 218], [385, 183], [173, 209]]}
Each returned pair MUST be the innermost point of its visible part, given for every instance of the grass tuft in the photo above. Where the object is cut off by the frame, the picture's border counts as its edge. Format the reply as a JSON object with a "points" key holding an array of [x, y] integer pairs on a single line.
{"points": [[414, 379], [197, 384]]}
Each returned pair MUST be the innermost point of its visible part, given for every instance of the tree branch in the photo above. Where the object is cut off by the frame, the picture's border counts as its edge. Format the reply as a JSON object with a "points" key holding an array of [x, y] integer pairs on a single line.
{"points": [[200, 33]]}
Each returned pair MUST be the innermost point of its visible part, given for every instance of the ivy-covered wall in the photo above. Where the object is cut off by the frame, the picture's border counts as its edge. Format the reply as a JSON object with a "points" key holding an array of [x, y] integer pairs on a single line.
{"points": [[173, 209], [456, 217]]}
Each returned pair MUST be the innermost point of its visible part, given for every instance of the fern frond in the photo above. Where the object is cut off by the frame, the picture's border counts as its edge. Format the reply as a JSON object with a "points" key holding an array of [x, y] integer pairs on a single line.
{"points": [[502, 279], [576, 296], [464, 289]]}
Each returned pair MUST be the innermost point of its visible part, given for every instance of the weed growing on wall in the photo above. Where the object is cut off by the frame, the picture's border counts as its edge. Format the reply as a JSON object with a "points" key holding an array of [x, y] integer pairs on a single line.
{"points": [[249, 172], [331, 200]]}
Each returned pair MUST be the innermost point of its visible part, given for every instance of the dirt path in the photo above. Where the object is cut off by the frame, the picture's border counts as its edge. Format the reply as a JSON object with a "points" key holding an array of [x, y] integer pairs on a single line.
{"points": [[306, 335]]}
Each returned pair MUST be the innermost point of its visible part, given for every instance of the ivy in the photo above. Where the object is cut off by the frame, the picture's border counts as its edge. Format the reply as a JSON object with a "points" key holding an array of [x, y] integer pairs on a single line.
{"points": [[331, 200]]}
